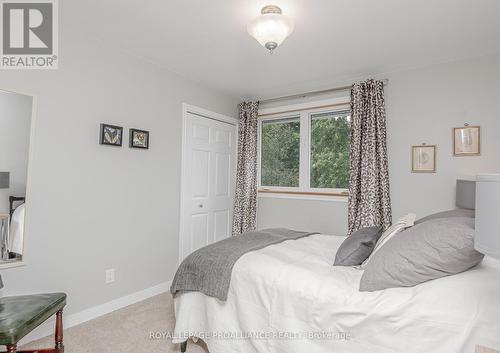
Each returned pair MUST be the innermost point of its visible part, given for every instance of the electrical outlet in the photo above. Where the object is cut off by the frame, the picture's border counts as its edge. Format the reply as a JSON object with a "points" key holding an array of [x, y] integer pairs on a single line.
{"points": [[110, 275]]}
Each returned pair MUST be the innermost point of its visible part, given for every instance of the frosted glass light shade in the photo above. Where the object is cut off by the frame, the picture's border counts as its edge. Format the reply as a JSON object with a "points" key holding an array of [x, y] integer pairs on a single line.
{"points": [[271, 28]]}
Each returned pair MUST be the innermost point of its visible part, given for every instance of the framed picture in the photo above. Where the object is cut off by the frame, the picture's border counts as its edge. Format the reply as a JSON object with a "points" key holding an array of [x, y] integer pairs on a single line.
{"points": [[423, 159], [111, 135], [139, 138], [467, 141]]}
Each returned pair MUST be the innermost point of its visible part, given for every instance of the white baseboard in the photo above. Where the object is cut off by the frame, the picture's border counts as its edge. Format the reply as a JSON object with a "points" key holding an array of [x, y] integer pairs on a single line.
{"points": [[71, 320]]}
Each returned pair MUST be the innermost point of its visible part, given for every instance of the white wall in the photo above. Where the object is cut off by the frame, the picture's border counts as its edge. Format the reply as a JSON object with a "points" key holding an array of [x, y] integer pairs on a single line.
{"points": [[96, 207], [423, 105], [15, 121]]}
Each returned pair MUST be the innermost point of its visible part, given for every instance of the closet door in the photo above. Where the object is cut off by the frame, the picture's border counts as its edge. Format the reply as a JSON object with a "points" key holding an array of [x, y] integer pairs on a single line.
{"points": [[209, 181]]}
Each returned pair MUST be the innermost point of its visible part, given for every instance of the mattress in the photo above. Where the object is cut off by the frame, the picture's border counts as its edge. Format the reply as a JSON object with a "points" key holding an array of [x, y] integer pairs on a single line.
{"points": [[289, 298]]}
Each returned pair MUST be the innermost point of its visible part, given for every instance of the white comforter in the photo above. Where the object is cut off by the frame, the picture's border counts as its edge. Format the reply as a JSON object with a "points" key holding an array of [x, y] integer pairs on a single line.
{"points": [[284, 293]]}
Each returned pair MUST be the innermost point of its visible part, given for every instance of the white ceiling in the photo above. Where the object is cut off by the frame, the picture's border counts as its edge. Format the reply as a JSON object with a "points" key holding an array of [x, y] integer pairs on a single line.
{"points": [[334, 40]]}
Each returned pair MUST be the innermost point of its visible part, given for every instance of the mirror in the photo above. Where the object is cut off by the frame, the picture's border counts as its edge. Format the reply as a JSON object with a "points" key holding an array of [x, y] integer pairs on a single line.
{"points": [[16, 112]]}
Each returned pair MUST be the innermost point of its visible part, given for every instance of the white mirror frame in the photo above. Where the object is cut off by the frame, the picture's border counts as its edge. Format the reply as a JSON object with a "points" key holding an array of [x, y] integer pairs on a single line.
{"points": [[27, 227]]}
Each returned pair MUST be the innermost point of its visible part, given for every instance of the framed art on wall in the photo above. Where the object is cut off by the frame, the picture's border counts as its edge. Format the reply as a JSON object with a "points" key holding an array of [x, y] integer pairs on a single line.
{"points": [[467, 141], [423, 159], [139, 138], [111, 135]]}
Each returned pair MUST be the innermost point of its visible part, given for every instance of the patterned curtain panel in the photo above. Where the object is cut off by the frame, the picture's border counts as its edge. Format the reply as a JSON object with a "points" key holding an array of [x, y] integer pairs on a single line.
{"points": [[245, 202], [369, 199]]}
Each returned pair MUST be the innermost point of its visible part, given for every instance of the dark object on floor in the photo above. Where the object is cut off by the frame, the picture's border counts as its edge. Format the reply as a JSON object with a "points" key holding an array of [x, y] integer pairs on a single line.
{"points": [[184, 346], [22, 314]]}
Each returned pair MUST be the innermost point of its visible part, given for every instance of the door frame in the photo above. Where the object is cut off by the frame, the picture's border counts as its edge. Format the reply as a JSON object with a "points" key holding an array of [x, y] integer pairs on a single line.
{"points": [[207, 114]]}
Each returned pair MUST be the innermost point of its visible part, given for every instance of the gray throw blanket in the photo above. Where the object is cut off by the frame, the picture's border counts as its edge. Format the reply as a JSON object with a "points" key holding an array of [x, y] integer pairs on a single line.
{"points": [[208, 270]]}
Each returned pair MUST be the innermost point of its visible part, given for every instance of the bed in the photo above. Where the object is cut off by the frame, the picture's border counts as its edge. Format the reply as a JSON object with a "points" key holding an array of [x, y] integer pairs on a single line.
{"points": [[289, 298]]}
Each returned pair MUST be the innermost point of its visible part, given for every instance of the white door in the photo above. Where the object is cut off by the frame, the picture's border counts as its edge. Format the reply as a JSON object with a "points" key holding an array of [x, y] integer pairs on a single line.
{"points": [[209, 169]]}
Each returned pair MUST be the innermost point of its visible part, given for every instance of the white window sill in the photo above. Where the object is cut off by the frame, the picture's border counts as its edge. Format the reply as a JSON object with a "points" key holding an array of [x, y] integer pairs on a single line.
{"points": [[311, 196]]}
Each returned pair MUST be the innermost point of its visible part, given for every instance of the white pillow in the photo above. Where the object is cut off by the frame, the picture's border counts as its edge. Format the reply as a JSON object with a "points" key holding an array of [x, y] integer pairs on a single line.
{"points": [[400, 225]]}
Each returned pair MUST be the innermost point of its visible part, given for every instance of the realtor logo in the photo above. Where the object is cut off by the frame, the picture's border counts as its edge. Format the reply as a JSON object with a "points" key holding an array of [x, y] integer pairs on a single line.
{"points": [[29, 34]]}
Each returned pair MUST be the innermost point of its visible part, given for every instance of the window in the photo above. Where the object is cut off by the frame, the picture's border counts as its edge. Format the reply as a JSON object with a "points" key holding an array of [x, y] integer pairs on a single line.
{"points": [[280, 152], [307, 152], [330, 134]]}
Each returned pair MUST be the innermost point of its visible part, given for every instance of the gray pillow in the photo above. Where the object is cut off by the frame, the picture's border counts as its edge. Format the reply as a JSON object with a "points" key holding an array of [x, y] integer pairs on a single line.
{"points": [[448, 214], [430, 250], [357, 247]]}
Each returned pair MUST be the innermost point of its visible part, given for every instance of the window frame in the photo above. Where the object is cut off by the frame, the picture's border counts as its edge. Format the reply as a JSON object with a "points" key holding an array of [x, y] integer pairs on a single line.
{"points": [[259, 152], [305, 115]]}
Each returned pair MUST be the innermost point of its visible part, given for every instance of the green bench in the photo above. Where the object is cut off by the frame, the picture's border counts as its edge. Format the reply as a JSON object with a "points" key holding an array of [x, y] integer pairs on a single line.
{"points": [[22, 314]]}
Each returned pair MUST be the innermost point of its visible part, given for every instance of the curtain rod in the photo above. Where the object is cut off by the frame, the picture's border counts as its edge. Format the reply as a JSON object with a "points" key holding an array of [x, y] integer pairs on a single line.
{"points": [[313, 93]]}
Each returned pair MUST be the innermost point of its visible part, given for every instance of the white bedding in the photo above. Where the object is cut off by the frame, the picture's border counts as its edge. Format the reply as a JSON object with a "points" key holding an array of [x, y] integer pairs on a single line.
{"points": [[292, 288]]}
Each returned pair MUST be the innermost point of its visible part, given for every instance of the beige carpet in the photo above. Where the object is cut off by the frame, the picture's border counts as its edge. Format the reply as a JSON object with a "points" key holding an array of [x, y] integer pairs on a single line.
{"points": [[125, 331]]}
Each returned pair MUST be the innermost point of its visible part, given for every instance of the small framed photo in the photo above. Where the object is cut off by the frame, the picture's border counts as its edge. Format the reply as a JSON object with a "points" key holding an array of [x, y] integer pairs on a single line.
{"points": [[139, 138], [111, 135], [467, 141], [423, 159]]}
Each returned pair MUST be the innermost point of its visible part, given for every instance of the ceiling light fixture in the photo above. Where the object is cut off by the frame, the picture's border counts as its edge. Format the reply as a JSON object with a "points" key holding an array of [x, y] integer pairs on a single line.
{"points": [[271, 28]]}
